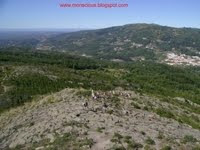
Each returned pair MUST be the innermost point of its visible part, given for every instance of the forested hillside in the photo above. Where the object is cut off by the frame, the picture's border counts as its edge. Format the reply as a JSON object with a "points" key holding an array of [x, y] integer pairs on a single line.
{"points": [[130, 42], [57, 100], [28, 73]]}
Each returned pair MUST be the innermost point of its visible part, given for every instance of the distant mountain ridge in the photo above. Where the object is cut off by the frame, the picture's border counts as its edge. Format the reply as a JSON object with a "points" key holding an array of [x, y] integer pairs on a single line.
{"points": [[129, 42], [29, 37], [132, 42]]}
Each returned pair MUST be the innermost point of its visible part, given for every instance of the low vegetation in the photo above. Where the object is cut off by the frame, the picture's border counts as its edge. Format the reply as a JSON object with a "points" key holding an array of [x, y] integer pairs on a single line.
{"points": [[66, 141]]}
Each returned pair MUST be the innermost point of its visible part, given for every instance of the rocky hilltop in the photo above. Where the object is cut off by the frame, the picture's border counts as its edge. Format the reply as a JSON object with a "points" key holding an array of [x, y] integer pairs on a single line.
{"points": [[74, 119]]}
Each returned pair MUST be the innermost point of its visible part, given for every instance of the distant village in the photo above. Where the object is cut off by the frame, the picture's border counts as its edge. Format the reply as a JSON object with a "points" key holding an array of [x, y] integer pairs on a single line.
{"points": [[182, 59]]}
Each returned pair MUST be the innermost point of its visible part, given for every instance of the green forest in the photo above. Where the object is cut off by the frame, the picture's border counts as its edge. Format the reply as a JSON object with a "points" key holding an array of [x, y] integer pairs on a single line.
{"points": [[25, 74]]}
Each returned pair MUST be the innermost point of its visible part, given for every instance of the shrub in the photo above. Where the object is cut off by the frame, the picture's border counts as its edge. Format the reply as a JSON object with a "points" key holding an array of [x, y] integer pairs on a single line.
{"points": [[189, 138], [164, 113], [166, 148], [150, 141]]}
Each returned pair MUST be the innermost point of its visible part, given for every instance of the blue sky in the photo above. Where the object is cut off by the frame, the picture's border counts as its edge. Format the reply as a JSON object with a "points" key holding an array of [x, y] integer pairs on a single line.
{"points": [[48, 14]]}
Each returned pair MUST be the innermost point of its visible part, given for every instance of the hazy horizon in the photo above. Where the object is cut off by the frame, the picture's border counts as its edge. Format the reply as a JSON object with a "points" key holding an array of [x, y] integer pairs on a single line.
{"points": [[73, 29], [40, 29]]}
